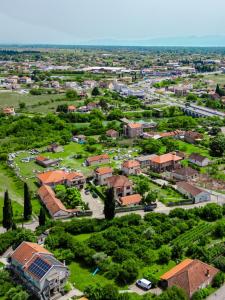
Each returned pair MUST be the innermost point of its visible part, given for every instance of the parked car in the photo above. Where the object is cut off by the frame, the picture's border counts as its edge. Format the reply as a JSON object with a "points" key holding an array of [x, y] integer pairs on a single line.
{"points": [[87, 192], [148, 208], [94, 195], [144, 284]]}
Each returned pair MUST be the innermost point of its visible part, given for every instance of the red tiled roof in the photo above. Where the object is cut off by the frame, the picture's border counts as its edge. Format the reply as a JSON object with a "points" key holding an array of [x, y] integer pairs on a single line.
{"points": [[135, 125], [98, 158], [119, 181], [111, 132], [57, 176], [26, 250], [190, 275], [104, 170], [40, 158], [160, 159], [71, 107], [49, 199], [132, 199], [131, 164]]}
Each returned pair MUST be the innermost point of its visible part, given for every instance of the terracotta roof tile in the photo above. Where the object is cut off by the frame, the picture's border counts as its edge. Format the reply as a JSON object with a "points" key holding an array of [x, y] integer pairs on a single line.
{"points": [[119, 181], [104, 170], [132, 199], [49, 199], [190, 275], [25, 251], [98, 158], [131, 164], [160, 159], [134, 125]]}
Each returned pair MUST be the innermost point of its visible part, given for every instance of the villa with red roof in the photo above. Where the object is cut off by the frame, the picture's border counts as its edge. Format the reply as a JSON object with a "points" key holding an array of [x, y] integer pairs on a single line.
{"points": [[131, 167], [121, 185], [133, 130], [101, 175], [98, 159], [190, 275], [71, 108], [165, 162], [42, 274], [53, 178], [130, 200]]}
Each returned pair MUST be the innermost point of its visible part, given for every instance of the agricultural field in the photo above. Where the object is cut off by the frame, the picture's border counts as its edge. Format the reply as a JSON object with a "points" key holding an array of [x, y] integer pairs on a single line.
{"points": [[34, 104], [217, 78]]}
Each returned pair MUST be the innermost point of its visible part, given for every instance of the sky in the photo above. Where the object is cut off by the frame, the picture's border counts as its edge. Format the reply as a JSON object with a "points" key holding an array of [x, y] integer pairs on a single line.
{"points": [[112, 21]]}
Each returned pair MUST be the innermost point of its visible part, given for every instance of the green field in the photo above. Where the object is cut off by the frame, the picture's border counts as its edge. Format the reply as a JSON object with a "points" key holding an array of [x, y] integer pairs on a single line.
{"points": [[34, 104], [81, 277], [190, 148], [218, 79], [9, 181]]}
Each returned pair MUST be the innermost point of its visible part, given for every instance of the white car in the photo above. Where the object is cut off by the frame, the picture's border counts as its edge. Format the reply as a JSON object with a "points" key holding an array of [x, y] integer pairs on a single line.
{"points": [[144, 284]]}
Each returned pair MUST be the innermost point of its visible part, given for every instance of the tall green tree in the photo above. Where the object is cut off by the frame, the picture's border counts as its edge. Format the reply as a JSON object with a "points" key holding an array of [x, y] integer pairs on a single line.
{"points": [[110, 205], [27, 212], [217, 145], [42, 217], [95, 91], [7, 212]]}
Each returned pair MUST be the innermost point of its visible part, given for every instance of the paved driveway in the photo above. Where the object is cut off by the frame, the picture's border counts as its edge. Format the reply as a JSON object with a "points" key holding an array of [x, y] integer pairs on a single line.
{"points": [[218, 295], [95, 204]]}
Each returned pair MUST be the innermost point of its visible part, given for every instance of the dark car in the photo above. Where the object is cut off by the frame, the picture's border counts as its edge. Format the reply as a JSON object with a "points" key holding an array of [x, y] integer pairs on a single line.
{"points": [[94, 195]]}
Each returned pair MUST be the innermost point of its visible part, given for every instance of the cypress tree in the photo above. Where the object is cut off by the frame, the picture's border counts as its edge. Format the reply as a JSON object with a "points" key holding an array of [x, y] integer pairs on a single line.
{"points": [[110, 205], [27, 209], [42, 217], [7, 212]]}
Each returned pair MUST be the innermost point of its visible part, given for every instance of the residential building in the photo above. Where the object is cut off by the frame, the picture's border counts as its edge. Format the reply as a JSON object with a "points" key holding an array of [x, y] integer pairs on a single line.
{"points": [[71, 108], [46, 162], [192, 137], [185, 174], [112, 133], [25, 80], [145, 160], [99, 159], [55, 207], [39, 270], [192, 192], [199, 160], [101, 175], [53, 178], [130, 200], [190, 275], [55, 148], [165, 162], [133, 130], [9, 111], [121, 185], [131, 167]]}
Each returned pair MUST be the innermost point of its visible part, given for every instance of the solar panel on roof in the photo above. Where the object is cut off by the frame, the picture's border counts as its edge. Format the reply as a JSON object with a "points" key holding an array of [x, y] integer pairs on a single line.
{"points": [[39, 268]]}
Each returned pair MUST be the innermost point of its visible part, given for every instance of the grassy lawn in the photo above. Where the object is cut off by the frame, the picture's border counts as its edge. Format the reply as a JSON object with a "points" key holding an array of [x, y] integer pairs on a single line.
{"points": [[189, 148], [9, 181], [220, 79], [33, 103], [17, 211], [81, 277], [159, 270], [82, 237]]}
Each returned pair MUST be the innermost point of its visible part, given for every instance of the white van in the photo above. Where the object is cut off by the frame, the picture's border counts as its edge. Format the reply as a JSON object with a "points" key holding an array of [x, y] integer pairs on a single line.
{"points": [[144, 284]]}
